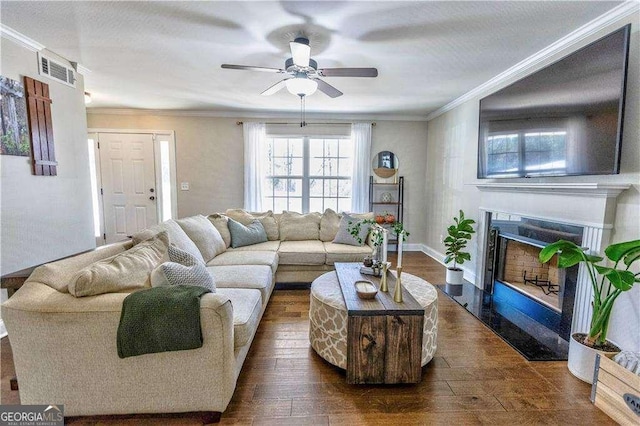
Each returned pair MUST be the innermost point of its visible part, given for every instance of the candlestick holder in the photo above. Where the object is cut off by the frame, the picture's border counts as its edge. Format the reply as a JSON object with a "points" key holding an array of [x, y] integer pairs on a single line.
{"points": [[383, 280], [397, 294]]}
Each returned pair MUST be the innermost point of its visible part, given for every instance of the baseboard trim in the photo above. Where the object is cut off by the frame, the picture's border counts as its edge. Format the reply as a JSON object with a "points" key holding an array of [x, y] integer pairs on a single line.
{"points": [[3, 329], [469, 275]]}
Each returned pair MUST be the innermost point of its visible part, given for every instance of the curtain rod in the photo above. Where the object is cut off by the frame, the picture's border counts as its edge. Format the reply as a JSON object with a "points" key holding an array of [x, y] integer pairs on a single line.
{"points": [[239, 123]]}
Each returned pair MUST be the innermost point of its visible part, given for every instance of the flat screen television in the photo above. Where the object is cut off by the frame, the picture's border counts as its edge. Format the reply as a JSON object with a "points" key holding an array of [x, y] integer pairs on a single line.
{"points": [[563, 120]]}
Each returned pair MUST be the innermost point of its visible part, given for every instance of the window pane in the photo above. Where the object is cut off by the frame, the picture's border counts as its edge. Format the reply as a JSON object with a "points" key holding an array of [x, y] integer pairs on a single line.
{"points": [[267, 203], [344, 204], [295, 147], [295, 187], [280, 187], [346, 148], [344, 188], [316, 167], [345, 167], [331, 167], [279, 205], [281, 166], [315, 205], [330, 188], [331, 203], [315, 187], [295, 204], [331, 147], [296, 166], [316, 148], [280, 147]]}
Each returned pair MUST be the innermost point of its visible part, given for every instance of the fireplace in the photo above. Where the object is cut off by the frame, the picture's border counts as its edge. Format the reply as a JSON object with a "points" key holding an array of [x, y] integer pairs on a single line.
{"points": [[514, 275]]}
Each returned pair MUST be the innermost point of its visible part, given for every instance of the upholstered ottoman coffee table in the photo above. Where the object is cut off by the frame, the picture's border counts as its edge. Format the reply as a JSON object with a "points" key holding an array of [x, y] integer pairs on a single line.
{"points": [[328, 330]]}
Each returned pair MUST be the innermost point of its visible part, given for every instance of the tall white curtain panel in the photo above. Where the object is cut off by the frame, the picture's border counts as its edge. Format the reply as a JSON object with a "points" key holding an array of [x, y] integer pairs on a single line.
{"points": [[361, 136], [255, 143]]}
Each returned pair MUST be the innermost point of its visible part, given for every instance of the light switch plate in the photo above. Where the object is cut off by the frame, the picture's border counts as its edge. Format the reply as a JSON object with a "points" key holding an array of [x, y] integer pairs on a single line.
{"points": [[184, 186]]}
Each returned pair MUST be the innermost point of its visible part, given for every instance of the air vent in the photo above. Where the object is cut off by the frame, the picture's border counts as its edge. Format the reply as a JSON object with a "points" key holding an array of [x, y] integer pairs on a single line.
{"points": [[56, 71]]}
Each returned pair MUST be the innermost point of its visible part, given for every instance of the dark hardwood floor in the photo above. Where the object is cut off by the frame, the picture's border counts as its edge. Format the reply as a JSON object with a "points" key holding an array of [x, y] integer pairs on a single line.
{"points": [[475, 378]]}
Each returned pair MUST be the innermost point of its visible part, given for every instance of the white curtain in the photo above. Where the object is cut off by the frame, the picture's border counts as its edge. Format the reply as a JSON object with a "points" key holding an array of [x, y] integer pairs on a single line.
{"points": [[255, 141], [361, 137]]}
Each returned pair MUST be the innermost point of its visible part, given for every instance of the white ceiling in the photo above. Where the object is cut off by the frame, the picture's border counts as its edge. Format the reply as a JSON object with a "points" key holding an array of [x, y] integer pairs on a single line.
{"points": [[167, 55]]}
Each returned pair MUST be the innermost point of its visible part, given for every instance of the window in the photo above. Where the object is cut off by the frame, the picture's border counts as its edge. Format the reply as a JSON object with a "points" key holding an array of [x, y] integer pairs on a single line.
{"points": [[308, 174], [526, 152]]}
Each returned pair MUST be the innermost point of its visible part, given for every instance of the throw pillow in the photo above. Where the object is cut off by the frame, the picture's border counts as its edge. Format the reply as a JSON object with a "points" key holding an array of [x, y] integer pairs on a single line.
{"points": [[344, 236], [184, 269], [205, 236], [246, 235], [220, 221], [299, 227], [176, 236], [329, 225], [125, 271], [267, 220]]}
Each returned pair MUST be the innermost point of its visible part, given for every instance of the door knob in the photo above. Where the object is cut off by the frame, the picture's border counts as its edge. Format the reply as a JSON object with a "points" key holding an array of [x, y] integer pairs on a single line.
{"points": [[151, 190], [152, 198]]}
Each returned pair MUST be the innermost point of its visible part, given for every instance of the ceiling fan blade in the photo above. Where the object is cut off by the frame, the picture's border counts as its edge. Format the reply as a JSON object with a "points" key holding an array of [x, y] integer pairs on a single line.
{"points": [[348, 72], [300, 51], [276, 87], [327, 89], [250, 68]]}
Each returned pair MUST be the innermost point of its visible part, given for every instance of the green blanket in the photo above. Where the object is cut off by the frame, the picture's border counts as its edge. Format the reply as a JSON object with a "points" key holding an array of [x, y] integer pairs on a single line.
{"points": [[160, 319]]}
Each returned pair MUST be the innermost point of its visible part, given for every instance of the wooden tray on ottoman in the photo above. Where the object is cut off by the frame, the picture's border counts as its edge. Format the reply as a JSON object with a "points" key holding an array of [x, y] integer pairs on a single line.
{"points": [[384, 338]]}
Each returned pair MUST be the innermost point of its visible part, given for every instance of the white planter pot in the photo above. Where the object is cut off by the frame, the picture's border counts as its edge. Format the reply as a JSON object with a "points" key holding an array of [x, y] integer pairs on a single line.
{"points": [[582, 360], [455, 276]]}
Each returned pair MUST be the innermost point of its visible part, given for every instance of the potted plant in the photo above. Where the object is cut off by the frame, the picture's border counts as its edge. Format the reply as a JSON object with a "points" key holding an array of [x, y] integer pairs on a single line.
{"points": [[607, 284], [456, 241], [376, 237]]}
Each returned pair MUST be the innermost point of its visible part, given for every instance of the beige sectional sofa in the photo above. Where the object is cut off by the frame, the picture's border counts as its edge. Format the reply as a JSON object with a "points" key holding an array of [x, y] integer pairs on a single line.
{"points": [[64, 347]]}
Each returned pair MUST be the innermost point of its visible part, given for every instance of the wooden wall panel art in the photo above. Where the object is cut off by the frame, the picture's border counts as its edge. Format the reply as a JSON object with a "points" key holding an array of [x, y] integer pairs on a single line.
{"points": [[39, 116]]}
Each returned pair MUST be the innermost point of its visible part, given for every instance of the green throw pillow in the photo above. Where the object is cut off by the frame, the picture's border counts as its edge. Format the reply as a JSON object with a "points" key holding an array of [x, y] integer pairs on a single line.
{"points": [[246, 235]]}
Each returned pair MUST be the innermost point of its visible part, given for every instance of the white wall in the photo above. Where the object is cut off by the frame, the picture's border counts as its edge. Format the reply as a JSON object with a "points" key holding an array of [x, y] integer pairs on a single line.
{"points": [[46, 217], [210, 156], [451, 177]]}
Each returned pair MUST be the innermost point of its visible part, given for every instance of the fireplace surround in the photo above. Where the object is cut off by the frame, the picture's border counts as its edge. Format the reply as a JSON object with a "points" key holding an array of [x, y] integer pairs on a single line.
{"points": [[583, 212]]}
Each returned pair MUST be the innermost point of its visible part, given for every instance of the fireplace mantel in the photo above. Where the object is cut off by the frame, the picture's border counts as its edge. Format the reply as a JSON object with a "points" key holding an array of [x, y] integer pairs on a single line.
{"points": [[604, 190]]}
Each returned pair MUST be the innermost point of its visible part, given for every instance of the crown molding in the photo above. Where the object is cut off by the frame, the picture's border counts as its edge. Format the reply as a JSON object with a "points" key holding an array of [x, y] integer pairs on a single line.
{"points": [[19, 38], [337, 116], [523, 67]]}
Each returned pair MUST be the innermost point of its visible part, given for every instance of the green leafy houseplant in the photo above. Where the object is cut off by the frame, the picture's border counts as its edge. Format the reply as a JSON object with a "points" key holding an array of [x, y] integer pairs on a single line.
{"points": [[376, 237], [456, 241], [607, 282]]}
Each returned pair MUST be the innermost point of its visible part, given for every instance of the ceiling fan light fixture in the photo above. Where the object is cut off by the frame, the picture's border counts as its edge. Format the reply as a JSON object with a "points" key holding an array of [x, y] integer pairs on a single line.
{"points": [[301, 86], [300, 51]]}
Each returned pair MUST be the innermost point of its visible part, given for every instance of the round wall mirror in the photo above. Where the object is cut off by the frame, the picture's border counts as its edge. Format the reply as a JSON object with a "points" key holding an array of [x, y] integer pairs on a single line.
{"points": [[385, 164]]}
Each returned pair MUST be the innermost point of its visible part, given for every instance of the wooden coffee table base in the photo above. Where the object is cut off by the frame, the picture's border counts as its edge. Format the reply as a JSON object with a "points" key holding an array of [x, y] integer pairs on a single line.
{"points": [[384, 338]]}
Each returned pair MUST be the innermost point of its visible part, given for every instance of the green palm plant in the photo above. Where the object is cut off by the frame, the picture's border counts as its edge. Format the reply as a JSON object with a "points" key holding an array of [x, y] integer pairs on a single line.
{"points": [[607, 282], [456, 240]]}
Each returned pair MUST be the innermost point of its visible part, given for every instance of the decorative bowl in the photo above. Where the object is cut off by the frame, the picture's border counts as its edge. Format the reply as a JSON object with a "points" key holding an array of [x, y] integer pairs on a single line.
{"points": [[365, 289]]}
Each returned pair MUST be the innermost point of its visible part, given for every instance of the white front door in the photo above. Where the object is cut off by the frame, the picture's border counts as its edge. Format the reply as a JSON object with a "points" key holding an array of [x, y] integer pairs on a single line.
{"points": [[127, 168]]}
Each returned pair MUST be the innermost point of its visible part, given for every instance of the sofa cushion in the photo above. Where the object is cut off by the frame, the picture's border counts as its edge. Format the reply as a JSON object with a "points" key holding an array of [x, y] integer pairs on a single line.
{"points": [[204, 235], [344, 234], [266, 246], [125, 271], [346, 253], [329, 225], [299, 227], [237, 257], [247, 307], [183, 269], [309, 252], [221, 222], [242, 235], [176, 236], [266, 218], [259, 277], [58, 274]]}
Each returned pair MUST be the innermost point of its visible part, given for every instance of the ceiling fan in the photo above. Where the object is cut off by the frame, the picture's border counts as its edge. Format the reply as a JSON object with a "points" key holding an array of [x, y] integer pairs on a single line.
{"points": [[303, 73]]}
